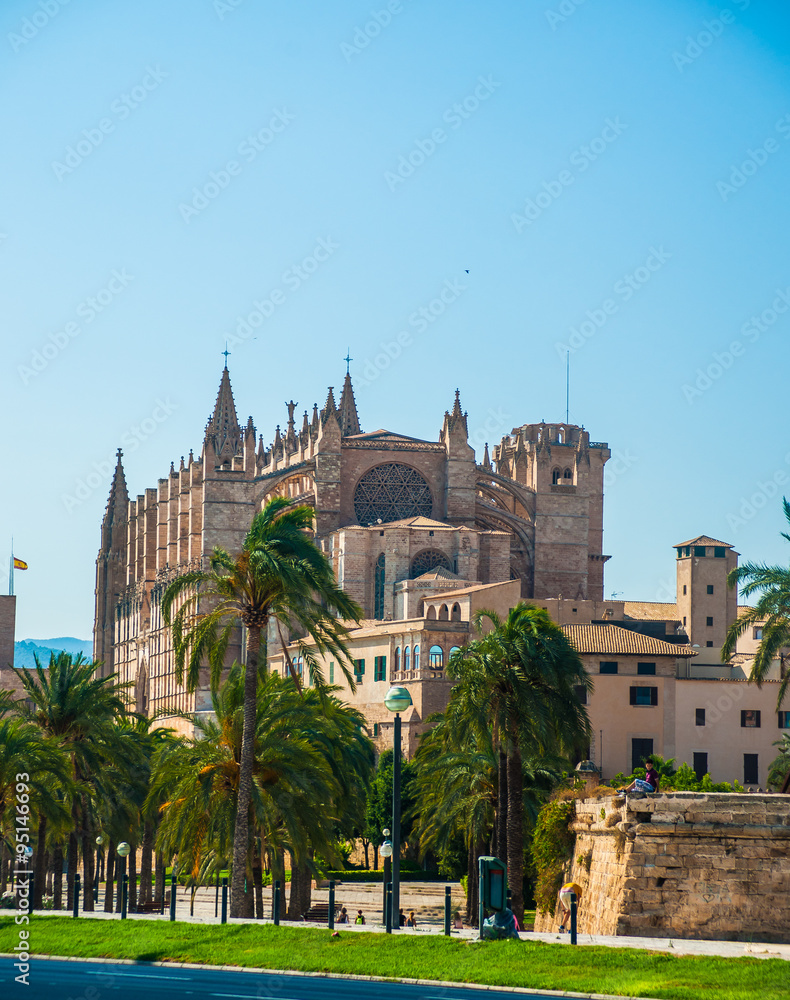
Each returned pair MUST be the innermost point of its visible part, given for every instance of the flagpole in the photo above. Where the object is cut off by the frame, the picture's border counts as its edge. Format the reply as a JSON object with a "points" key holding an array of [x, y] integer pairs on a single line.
{"points": [[11, 570]]}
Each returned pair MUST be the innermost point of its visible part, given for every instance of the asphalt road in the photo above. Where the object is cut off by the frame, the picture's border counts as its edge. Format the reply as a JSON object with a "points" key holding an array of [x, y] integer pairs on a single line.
{"points": [[91, 981]]}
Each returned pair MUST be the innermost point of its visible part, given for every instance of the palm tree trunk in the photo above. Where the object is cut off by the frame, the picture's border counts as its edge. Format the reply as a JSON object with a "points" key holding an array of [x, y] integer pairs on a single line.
{"points": [[71, 869], [40, 866], [307, 887], [133, 877], [57, 877], [257, 881], [501, 806], [515, 830], [159, 886], [48, 864], [88, 873], [241, 833], [146, 852], [294, 896], [109, 877]]}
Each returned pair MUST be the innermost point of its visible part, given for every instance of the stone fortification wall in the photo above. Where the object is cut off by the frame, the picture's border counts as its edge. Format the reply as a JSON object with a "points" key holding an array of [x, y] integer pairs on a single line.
{"points": [[683, 864]]}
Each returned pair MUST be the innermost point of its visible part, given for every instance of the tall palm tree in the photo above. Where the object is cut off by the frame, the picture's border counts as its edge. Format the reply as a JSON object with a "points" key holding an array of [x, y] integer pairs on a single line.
{"points": [[311, 761], [525, 670], [771, 612], [279, 577], [78, 710]]}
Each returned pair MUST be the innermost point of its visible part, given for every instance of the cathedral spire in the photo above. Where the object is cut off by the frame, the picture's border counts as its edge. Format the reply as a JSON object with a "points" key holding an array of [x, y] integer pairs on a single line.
{"points": [[457, 418], [330, 409], [486, 460], [223, 431], [349, 421], [119, 496]]}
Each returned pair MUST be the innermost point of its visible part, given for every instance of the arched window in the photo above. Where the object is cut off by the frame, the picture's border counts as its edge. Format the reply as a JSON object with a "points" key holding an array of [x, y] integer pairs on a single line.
{"points": [[425, 561], [567, 474], [556, 475], [378, 596], [454, 649], [416, 657], [456, 614], [444, 613], [431, 613], [397, 658], [436, 658], [407, 657]]}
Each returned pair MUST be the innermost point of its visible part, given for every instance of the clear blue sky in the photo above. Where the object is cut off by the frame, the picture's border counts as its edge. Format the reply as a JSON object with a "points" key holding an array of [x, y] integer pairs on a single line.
{"points": [[619, 122]]}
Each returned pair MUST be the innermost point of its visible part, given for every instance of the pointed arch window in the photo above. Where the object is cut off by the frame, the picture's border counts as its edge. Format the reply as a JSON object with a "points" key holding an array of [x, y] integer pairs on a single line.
{"points": [[567, 474], [378, 596], [556, 476]]}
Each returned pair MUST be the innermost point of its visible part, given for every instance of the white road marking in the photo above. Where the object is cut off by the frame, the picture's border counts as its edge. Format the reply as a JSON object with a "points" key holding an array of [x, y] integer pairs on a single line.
{"points": [[139, 975]]}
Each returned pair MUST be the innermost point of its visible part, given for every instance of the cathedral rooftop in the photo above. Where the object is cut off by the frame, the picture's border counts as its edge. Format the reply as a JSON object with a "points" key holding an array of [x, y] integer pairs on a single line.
{"points": [[416, 522], [438, 573], [385, 435]]}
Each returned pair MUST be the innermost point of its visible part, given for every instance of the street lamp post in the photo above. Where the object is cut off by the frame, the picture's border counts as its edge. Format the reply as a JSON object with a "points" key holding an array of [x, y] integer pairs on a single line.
{"points": [[386, 852], [122, 850], [397, 700], [99, 842]]}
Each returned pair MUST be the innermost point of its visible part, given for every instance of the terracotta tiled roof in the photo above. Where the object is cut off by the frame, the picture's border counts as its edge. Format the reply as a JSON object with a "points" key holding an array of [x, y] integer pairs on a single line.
{"points": [[415, 522], [613, 640], [703, 540], [650, 610]]}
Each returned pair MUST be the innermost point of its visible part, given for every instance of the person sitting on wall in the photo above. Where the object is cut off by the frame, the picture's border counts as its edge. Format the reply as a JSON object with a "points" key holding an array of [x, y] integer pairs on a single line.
{"points": [[565, 902], [650, 782]]}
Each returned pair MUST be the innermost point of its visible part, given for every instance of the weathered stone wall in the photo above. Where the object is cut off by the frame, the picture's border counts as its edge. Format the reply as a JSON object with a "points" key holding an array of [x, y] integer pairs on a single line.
{"points": [[683, 864]]}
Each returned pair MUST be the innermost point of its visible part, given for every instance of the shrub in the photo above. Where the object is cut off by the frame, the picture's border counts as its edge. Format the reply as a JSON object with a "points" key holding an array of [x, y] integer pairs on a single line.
{"points": [[552, 849]]}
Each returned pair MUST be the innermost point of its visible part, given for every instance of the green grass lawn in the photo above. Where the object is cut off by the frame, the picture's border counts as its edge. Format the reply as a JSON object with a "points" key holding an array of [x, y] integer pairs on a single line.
{"points": [[508, 963]]}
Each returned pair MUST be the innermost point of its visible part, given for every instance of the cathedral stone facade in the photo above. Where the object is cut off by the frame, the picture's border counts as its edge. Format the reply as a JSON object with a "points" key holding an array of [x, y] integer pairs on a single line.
{"points": [[402, 520]]}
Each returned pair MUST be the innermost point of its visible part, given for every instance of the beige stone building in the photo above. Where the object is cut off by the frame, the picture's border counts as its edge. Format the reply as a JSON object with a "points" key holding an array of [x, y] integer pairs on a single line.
{"points": [[399, 517], [422, 537]]}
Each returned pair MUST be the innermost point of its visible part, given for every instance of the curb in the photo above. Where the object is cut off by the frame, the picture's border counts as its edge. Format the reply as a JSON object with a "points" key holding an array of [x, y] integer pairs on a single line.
{"points": [[332, 975]]}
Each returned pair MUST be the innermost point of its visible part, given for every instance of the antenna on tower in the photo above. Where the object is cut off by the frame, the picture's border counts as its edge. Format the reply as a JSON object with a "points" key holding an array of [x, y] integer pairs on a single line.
{"points": [[567, 385]]}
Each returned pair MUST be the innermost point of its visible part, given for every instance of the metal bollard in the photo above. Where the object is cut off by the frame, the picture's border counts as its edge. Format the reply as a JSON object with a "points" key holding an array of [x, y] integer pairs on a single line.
{"points": [[573, 918], [173, 888], [331, 904], [276, 903], [124, 896], [388, 908], [224, 901], [447, 904], [76, 895]]}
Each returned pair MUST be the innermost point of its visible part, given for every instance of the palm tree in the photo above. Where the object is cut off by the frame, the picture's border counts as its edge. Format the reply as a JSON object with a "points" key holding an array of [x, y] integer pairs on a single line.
{"points": [[279, 577], [771, 612], [525, 671], [311, 762], [78, 710]]}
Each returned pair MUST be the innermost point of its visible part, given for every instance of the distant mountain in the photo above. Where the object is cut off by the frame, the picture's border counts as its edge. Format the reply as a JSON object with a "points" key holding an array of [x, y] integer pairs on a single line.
{"points": [[26, 650]]}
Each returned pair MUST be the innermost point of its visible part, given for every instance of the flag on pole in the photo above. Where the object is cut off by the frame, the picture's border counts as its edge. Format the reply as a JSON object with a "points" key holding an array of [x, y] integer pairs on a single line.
{"points": [[19, 563]]}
